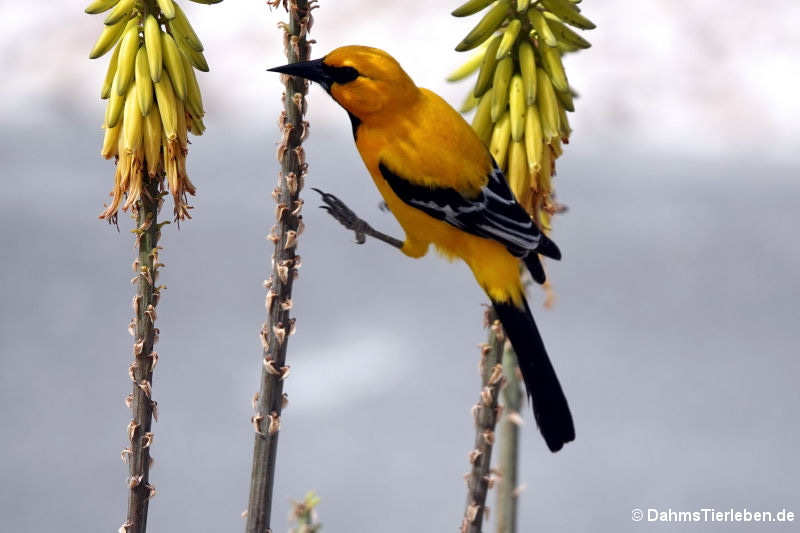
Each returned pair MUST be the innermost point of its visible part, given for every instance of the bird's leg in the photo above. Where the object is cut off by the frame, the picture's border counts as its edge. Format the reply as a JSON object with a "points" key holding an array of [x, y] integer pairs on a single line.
{"points": [[351, 221]]}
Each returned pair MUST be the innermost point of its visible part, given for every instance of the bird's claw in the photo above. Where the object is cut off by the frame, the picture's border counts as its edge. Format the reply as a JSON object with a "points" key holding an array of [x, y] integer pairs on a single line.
{"points": [[344, 215]]}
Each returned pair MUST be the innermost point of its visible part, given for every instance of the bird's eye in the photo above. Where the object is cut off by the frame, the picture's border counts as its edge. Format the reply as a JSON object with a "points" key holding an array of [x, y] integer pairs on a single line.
{"points": [[341, 74]]}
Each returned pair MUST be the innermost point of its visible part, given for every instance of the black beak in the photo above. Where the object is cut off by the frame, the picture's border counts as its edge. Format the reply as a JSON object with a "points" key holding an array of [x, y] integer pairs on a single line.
{"points": [[311, 70]]}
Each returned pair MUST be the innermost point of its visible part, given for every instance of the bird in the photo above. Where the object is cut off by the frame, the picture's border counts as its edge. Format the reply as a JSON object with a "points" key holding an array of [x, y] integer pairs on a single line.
{"points": [[444, 188]]}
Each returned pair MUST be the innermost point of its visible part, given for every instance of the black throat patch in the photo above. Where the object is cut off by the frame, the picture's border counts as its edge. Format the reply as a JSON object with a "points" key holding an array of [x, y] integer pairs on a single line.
{"points": [[355, 122]]}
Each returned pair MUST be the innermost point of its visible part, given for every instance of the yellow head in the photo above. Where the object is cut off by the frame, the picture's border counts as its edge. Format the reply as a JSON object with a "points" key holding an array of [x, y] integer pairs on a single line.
{"points": [[361, 79]]}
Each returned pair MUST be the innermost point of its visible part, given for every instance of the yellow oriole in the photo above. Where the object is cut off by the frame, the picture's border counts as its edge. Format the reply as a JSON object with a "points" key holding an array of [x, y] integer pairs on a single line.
{"points": [[444, 188]]}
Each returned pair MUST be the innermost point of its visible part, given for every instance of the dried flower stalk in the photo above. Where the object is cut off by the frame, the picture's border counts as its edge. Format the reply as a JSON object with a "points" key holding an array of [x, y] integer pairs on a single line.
{"points": [[480, 479], [289, 226]]}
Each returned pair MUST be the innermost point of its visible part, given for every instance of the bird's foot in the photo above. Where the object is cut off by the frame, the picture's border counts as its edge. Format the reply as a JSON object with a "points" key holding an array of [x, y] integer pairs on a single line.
{"points": [[345, 216]]}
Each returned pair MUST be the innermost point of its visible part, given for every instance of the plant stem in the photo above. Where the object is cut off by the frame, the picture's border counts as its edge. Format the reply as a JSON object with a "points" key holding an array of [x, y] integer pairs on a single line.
{"points": [[479, 479], [278, 327], [145, 334], [509, 445]]}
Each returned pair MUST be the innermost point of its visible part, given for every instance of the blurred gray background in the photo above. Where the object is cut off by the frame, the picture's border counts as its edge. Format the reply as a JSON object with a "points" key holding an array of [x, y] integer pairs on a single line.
{"points": [[675, 332]]}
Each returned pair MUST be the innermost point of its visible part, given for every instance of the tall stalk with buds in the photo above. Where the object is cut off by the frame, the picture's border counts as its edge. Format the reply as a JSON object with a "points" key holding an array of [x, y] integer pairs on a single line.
{"points": [[520, 97], [275, 333], [142, 327], [153, 102]]}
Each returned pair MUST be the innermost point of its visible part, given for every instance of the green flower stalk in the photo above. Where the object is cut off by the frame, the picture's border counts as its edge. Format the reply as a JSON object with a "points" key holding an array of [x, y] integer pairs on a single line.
{"points": [[154, 101], [507, 486], [521, 94]]}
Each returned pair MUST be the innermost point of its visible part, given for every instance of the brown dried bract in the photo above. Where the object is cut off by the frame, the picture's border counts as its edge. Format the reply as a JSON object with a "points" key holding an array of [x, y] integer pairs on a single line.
{"points": [[474, 455], [274, 423]]}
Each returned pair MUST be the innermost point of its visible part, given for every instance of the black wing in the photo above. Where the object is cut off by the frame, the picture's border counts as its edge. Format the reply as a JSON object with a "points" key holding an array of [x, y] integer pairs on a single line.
{"points": [[493, 214]]}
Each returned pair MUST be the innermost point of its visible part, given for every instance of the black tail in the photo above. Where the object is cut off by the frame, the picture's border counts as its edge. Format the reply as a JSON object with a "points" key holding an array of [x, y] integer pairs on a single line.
{"points": [[549, 404], [535, 267], [546, 248]]}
